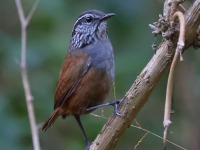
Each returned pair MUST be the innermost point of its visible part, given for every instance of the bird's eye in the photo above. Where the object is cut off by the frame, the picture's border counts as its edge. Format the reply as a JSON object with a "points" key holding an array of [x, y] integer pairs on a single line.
{"points": [[89, 19]]}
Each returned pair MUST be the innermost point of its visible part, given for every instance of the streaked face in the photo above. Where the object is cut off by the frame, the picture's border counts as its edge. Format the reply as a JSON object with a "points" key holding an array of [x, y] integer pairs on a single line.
{"points": [[89, 27], [87, 24]]}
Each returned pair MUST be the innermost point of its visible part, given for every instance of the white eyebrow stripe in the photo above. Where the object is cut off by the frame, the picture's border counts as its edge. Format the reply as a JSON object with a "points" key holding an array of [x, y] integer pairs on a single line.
{"points": [[80, 19], [86, 15]]}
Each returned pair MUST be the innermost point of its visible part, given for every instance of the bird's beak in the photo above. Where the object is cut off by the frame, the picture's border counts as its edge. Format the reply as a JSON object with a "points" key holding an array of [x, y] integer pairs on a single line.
{"points": [[106, 16]]}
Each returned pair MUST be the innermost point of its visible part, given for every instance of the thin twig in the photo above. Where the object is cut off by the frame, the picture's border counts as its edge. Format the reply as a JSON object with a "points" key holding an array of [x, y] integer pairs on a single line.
{"points": [[139, 142], [143, 129], [166, 9], [158, 136], [29, 98], [181, 8], [178, 52], [32, 11], [174, 6]]}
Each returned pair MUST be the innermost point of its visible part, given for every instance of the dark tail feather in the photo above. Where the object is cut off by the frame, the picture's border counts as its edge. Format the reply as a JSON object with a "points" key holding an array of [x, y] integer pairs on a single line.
{"points": [[51, 120]]}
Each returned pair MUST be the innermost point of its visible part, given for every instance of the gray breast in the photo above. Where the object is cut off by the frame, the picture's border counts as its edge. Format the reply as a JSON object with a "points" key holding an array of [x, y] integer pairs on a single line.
{"points": [[102, 56]]}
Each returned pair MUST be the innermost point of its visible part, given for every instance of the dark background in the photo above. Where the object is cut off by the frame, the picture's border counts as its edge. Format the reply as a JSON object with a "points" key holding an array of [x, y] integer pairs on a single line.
{"points": [[48, 39]]}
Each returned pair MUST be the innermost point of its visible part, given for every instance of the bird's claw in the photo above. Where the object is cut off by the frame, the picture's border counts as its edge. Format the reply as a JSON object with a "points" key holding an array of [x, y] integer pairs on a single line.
{"points": [[116, 110]]}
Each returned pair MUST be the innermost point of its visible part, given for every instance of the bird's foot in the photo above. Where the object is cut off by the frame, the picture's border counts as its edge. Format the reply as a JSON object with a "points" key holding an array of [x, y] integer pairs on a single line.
{"points": [[113, 103], [88, 144]]}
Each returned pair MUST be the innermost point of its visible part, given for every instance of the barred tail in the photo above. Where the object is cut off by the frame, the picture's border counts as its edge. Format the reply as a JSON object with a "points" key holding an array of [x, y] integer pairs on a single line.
{"points": [[51, 120]]}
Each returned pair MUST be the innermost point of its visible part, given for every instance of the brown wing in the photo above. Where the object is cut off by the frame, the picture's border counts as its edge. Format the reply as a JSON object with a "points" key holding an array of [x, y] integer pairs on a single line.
{"points": [[75, 66]]}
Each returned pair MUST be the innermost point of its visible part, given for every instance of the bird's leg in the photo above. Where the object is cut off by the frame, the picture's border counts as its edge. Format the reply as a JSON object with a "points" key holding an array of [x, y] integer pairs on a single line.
{"points": [[114, 103], [87, 142]]}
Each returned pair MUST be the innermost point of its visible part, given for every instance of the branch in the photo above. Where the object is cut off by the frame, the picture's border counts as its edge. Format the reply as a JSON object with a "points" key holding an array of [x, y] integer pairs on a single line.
{"points": [[141, 89], [32, 11], [174, 6], [29, 98], [178, 52]]}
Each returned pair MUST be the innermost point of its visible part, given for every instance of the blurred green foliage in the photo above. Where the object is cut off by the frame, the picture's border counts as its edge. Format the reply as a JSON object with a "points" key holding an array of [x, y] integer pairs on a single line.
{"points": [[48, 39]]}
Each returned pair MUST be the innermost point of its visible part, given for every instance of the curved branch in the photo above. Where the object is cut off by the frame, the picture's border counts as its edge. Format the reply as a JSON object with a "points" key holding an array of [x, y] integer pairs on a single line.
{"points": [[144, 84], [170, 82]]}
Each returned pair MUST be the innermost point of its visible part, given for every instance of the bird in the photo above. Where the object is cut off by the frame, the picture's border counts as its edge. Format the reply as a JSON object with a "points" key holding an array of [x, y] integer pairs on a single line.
{"points": [[88, 71]]}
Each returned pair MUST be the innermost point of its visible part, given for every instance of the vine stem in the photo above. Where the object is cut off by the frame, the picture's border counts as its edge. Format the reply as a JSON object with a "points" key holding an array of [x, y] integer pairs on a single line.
{"points": [[179, 48]]}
